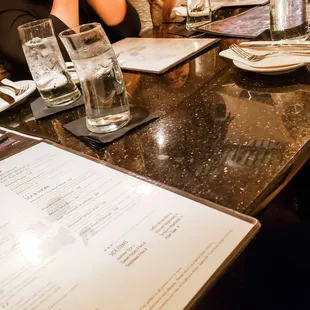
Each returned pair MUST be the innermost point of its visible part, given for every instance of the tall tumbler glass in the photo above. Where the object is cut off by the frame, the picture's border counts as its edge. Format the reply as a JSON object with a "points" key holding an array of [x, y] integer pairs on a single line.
{"points": [[288, 19], [198, 13], [104, 93], [46, 63]]}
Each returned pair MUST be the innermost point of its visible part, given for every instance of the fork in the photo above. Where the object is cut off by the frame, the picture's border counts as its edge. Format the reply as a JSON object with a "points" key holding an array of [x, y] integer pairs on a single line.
{"points": [[254, 57], [17, 91]]}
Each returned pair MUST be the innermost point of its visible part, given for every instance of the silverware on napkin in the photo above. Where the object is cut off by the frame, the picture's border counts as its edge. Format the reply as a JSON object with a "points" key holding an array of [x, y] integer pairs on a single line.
{"points": [[304, 45], [9, 99], [17, 91], [254, 57]]}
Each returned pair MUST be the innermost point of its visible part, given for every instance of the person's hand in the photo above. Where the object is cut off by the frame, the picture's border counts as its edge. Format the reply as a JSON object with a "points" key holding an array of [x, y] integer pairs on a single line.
{"points": [[161, 10], [168, 6]]}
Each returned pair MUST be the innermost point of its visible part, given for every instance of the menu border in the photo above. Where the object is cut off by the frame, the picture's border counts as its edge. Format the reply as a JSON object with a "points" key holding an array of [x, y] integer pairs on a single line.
{"points": [[228, 261]]}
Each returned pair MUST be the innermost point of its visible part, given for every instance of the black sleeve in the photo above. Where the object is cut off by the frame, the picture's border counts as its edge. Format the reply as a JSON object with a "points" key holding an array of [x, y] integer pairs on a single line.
{"points": [[129, 27], [10, 46], [59, 26]]}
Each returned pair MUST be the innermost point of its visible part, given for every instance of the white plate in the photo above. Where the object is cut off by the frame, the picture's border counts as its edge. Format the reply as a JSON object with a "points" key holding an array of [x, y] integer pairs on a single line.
{"points": [[268, 70], [18, 99]]}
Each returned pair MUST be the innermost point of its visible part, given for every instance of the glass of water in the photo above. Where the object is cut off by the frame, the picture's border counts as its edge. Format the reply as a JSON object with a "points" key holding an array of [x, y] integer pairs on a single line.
{"points": [[46, 63], [198, 13], [288, 19], [103, 88]]}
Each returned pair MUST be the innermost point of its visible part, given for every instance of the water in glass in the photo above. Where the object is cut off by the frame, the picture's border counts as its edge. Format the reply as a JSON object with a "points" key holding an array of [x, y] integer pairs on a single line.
{"points": [[46, 63], [49, 72], [103, 88], [198, 13], [103, 91]]}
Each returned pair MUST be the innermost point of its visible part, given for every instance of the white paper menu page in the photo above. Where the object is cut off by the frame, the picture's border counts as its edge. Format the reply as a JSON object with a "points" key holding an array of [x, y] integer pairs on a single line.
{"points": [[156, 55], [75, 234]]}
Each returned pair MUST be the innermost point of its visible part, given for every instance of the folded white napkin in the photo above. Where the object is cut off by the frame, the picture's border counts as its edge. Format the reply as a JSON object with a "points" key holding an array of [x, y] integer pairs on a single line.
{"points": [[3, 105], [182, 10], [279, 60], [31, 88], [229, 3]]}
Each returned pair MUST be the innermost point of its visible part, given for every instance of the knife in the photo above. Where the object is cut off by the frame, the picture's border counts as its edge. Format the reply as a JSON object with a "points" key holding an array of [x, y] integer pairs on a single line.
{"points": [[9, 99]]}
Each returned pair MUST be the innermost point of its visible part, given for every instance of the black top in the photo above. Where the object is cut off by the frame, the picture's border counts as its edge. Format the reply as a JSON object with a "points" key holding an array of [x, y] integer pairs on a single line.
{"points": [[14, 13]]}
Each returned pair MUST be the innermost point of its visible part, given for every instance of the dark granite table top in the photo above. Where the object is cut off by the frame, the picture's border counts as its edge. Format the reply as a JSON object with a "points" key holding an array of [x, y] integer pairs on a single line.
{"points": [[225, 135]]}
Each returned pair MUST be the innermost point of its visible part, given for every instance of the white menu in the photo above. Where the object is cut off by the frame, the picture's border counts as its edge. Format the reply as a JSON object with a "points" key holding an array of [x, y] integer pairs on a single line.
{"points": [[75, 234], [157, 55]]}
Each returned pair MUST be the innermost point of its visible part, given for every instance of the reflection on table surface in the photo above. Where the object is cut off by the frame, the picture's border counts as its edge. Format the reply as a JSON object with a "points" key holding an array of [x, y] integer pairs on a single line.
{"points": [[225, 135]]}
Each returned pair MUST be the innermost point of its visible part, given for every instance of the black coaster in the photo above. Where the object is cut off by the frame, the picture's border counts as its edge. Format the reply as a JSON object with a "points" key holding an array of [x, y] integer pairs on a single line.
{"points": [[182, 31], [139, 116], [40, 110]]}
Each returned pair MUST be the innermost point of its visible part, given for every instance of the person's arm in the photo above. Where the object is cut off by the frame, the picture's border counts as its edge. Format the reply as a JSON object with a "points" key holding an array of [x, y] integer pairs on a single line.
{"points": [[67, 11], [119, 16], [112, 12], [10, 46]]}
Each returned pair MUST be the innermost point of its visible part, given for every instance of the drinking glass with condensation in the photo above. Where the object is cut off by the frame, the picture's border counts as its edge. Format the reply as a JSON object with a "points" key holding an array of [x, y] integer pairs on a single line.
{"points": [[198, 13], [288, 19], [46, 63], [103, 88]]}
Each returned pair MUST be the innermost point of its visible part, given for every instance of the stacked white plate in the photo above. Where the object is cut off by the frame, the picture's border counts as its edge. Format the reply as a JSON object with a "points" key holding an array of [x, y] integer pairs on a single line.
{"points": [[274, 64]]}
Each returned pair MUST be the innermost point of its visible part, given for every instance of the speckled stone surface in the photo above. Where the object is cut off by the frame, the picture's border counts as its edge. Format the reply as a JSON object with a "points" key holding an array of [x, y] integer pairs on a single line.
{"points": [[225, 135]]}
